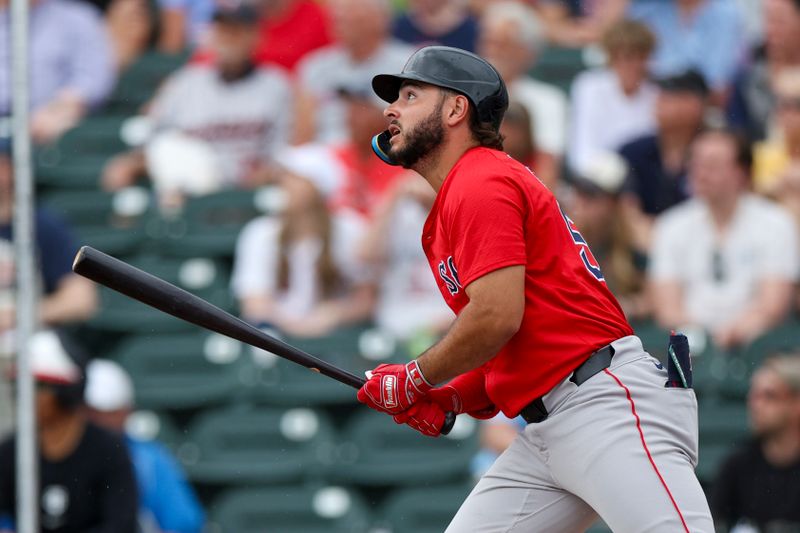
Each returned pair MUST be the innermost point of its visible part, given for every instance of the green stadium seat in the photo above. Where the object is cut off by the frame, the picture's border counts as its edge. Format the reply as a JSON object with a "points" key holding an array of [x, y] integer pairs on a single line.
{"points": [[209, 225], [722, 426], [138, 83], [558, 66], [377, 452], [245, 445], [99, 134], [599, 527], [112, 222], [201, 276], [182, 371], [52, 171], [280, 382], [323, 509], [147, 425], [421, 509]]}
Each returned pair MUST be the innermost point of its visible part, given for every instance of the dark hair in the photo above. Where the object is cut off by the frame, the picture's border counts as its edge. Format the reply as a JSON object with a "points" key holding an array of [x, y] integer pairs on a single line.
{"points": [[741, 144], [483, 132]]}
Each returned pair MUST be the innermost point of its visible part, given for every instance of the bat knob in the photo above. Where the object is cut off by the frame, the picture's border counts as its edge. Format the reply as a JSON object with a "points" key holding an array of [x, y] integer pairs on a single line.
{"points": [[449, 422]]}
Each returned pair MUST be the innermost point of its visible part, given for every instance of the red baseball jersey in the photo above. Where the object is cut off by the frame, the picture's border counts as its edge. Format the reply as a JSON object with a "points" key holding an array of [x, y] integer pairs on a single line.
{"points": [[492, 212]]}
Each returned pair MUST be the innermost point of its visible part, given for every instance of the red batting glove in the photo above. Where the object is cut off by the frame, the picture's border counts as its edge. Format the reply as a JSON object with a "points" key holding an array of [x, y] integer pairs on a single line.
{"points": [[394, 388], [425, 416]]}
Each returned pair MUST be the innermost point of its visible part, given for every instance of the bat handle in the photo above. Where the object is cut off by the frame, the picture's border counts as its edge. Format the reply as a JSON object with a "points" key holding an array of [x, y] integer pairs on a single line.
{"points": [[449, 416], [449, 422]]}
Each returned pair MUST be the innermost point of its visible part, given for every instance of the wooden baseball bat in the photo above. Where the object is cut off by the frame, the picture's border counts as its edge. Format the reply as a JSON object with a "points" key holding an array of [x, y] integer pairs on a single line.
{"points": [[164, 296]]}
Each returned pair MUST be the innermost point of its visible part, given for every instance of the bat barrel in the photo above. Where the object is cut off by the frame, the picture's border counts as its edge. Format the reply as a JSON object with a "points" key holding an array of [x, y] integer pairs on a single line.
{"points": [[155, 292]]}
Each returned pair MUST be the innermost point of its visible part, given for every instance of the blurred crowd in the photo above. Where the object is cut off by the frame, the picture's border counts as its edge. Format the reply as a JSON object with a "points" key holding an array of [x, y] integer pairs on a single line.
{"points": [[675, 150]]}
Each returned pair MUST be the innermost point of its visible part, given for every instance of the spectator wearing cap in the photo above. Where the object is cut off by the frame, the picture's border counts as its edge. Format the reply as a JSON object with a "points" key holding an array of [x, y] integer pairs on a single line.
{"points": [[777, 160], [752, 104], [657, 163], [85, 475], [71, 65], [445, 22], [65, 296], [726, 260], [167, 502], [216, 126], [363, 48], [592, 202], [511, 37], [758, 486], [702, 34], [615, 104]]}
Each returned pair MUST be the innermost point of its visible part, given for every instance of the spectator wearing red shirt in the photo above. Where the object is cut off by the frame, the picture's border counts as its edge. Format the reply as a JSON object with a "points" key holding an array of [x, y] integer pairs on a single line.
{"points": [[290, 29]]}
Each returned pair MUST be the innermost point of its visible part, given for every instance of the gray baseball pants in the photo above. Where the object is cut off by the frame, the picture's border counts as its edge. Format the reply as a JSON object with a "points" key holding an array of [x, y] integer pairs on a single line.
{"points": [[621, 446]]}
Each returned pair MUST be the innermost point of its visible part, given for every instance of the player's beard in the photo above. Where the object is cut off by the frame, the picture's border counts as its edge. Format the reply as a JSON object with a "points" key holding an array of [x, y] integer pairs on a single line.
{"points": [[421, 140]]}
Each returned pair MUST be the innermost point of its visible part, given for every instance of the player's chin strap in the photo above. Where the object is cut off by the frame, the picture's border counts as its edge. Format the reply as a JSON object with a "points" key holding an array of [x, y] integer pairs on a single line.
{"points": [[380, 145]]}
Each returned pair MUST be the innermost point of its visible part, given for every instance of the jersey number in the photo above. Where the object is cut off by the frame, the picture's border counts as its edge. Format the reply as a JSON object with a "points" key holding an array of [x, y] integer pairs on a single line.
{"points": [[586, 254]]}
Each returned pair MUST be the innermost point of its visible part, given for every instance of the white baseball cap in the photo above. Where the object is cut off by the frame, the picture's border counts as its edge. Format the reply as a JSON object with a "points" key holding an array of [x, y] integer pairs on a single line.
{"points": [[108, 386], [50, 362]]}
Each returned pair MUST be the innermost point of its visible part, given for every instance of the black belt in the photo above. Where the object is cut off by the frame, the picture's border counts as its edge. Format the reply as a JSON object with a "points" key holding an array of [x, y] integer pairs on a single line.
{"points": [[535, 411]]}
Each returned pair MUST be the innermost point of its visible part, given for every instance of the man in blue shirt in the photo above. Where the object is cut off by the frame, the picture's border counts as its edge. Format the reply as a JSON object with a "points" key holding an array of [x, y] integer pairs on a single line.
{"points": [[167, 501], [707, 35]]}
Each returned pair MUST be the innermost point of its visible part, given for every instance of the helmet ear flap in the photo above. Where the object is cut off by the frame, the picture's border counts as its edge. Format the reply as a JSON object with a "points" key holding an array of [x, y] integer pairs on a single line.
{"points": [[381, 147]]}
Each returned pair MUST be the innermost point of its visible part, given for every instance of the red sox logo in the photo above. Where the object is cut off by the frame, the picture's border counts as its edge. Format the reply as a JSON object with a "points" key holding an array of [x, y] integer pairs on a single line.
{"points": [[449, 275]]}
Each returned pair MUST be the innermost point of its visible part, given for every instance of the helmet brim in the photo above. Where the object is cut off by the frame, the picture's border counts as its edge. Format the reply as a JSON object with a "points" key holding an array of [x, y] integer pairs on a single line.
{"points": [[387, 86]]}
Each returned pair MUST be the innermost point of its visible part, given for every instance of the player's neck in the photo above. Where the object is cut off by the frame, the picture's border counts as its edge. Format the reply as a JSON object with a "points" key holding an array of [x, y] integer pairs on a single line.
{"points": [[59, 438], [436, 167], [782, 449]]}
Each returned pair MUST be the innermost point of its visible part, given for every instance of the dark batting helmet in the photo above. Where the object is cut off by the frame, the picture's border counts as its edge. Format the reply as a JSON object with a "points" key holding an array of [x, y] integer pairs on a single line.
{"points": [[450, 68], [455, 69]]}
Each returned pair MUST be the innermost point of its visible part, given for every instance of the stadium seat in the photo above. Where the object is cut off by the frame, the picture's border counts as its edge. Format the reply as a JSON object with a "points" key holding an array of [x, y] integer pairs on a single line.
{"points": [[245, 445], [137, 84], [558, 66], [111, 222], [54, 171], [182, 371], [280, 382], [323, 509], [377, 452], [200, 276], [209, 225], [421, 509], [722, 426], [149, 425]]}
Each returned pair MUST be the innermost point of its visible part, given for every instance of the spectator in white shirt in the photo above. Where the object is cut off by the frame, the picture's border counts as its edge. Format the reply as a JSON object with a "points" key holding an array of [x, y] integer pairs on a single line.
{"points": [[725, 260], [511, 38], [613, 105]]}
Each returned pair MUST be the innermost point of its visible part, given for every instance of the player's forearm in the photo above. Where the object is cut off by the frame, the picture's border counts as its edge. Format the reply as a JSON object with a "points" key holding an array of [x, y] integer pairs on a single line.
{"points": [[475, 337]]}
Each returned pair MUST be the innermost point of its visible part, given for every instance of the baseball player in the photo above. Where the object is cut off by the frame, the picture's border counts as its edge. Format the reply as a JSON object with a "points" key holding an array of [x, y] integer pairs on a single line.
{"points": [[538, 333]]}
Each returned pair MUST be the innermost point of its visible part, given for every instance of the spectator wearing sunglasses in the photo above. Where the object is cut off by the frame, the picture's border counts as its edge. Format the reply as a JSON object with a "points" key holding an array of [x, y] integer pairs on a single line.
{"points": [[725, 260]]}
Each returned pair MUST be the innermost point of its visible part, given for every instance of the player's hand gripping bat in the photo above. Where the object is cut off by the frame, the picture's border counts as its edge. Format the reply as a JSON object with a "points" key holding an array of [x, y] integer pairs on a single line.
{"points": [[166, 297]]}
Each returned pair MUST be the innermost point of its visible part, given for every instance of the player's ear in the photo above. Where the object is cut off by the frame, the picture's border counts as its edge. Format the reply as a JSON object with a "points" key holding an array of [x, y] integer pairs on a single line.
{"points": [[457, 110]]}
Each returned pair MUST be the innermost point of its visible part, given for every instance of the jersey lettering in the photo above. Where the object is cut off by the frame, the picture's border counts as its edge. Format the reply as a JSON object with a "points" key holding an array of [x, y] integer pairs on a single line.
{"points": [[449, 275], [588, 259]]}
